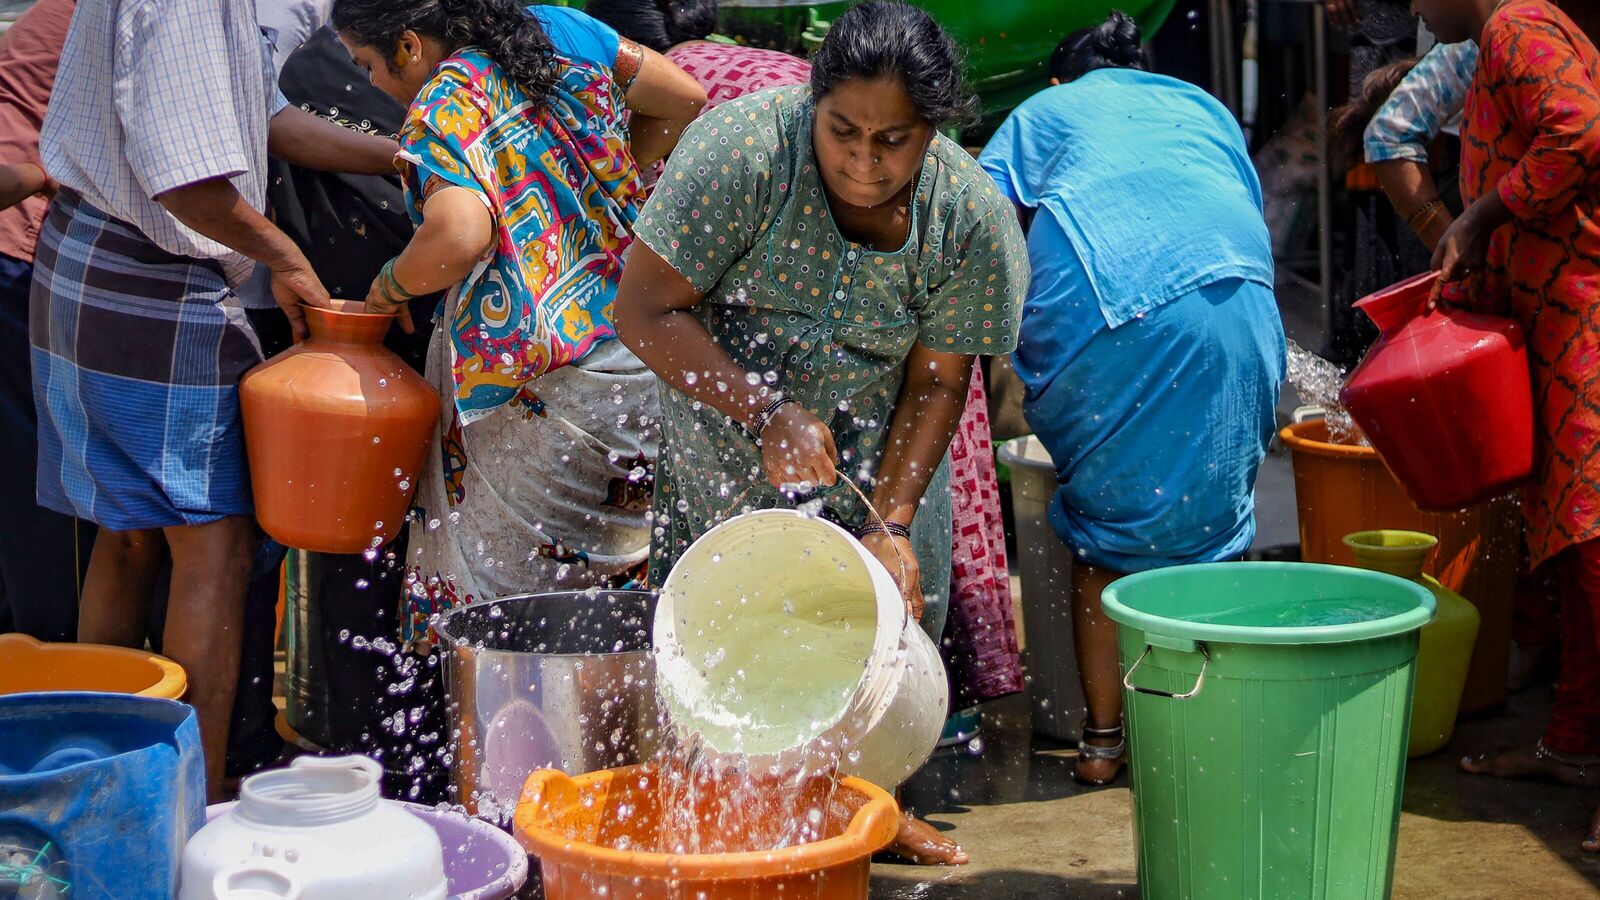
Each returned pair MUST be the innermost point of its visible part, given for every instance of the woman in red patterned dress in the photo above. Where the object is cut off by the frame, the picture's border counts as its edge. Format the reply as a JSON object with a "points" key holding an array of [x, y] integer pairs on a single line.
{"points": [[1530, 244]]}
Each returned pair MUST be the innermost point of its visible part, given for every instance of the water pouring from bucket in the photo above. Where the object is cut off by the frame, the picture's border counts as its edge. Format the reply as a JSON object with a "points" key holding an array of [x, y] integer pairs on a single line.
{"points": [[778, 637]]}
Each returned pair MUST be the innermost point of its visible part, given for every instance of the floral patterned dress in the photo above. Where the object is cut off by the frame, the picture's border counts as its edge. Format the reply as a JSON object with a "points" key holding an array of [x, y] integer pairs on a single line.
{"points": [[1531, 131], [741, 213], [539, 475]]}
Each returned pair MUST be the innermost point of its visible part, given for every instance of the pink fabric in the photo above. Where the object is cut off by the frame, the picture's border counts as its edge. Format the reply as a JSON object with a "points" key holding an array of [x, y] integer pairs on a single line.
{"points": [[982, 630], [29, 52], [727, 71]]}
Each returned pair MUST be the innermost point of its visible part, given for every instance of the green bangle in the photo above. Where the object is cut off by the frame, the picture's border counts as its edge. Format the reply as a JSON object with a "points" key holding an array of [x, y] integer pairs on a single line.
{"points": [[391, 284]]}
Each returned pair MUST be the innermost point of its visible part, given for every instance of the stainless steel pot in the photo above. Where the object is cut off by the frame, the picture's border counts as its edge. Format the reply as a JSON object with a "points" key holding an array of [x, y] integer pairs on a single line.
{"points": [[562, 680]]}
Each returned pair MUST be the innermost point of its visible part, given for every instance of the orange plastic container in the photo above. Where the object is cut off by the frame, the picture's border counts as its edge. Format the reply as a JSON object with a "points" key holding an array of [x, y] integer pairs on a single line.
{"points": [[27, 665], [1341, 489], [571, 825]]}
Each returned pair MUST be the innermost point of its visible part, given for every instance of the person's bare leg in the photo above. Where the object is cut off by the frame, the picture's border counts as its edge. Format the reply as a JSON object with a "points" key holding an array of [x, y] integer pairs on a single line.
{"points": [[917, 841], [117, 588], [1095, 638], [921, 843], [205, 620]]}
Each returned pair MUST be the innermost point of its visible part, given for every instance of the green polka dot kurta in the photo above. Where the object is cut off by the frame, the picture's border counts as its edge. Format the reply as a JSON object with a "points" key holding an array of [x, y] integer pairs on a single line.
{"points": [[740, 212]]}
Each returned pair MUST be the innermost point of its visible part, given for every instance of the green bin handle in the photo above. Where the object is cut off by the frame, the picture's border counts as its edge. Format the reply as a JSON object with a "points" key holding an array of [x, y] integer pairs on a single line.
{"points": [[1199, 681]]}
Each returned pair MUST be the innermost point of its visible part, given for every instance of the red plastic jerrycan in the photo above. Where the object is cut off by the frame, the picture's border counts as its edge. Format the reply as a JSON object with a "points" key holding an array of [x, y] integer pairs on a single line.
{"points": [[1444, 396]]}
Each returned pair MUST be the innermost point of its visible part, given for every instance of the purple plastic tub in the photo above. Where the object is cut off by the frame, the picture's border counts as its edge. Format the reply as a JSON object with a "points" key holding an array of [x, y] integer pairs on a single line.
{"points": [[481, 862]]}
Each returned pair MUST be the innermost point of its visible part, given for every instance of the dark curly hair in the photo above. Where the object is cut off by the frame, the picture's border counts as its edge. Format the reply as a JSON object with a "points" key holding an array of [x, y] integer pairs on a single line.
{"points": [[1113, 44], [501, 28], [881, 38], [657, 24]]}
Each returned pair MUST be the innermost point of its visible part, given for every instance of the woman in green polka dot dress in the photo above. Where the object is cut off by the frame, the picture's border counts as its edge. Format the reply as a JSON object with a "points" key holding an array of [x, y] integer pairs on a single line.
{"points": [[813, 278]]}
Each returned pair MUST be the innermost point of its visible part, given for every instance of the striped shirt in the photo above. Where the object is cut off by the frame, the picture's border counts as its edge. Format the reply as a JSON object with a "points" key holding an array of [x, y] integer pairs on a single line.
{"points": [[1426, 102], [153, 95]]}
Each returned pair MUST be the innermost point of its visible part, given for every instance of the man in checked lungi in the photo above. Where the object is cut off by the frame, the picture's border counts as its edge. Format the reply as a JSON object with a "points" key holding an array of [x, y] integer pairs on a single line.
{"points": [[158, 134]]}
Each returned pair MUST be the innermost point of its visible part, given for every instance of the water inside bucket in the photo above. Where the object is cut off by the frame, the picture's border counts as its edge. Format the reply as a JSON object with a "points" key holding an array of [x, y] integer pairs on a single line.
{"points": [[769, 677], [1309, 613]]}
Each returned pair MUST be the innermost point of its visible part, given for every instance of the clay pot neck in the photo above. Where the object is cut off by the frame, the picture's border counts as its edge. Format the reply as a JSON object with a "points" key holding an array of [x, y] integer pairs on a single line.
{"points": [[345, 323], [1399, 553]]}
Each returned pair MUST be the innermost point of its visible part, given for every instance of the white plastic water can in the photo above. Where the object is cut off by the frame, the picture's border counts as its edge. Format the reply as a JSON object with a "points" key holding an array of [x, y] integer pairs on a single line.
{"points": [[779, 637], [317, 830]]}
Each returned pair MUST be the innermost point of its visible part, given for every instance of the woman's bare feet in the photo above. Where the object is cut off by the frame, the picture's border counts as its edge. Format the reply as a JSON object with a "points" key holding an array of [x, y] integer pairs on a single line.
{"points": [[1538, 764], [920, 843]]}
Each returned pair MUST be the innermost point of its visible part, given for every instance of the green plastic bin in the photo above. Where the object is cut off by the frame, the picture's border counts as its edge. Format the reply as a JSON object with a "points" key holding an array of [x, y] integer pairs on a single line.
{"points": [[1268, 710]]}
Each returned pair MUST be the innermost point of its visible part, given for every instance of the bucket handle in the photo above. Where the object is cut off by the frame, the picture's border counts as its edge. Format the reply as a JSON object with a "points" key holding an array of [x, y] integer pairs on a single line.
{"points": [[1199, 680]]}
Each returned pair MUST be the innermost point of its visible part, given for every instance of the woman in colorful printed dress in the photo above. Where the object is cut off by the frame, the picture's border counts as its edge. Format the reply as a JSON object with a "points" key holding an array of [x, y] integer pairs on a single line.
{"points": [[816, 273], [518, 173], [1529, 244]]}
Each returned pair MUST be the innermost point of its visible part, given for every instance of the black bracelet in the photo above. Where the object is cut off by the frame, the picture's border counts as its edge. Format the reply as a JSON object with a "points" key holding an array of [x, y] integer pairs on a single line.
{"points": [[893, 529], [767, 414]]}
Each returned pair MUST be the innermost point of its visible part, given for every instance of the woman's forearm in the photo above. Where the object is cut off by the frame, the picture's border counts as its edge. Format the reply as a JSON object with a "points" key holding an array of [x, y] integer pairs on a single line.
{"points": [[663, 100], [653, 138], [926, 416], [679, 349], [456, 231], [654, 321], [302, 139], [1409, 185]]}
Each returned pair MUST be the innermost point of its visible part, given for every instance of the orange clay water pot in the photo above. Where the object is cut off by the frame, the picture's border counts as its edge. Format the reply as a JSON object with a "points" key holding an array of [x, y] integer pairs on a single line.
{"points": [[1341, 489], [574, 825], [27, 665], [337, 428]]}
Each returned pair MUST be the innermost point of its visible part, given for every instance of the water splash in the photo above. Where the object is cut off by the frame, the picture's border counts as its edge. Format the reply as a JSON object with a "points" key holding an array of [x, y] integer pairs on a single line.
{"points": [[1318, 381]]}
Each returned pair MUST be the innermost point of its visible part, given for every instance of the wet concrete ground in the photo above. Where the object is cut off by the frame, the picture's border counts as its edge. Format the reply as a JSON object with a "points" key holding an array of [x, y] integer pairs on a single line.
{"points": [[1034, 833]]}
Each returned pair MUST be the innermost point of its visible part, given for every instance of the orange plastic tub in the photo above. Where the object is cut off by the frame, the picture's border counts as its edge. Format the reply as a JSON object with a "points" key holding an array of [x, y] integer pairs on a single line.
{"points": [[27, 665], [1341, 489], [572, 824]]}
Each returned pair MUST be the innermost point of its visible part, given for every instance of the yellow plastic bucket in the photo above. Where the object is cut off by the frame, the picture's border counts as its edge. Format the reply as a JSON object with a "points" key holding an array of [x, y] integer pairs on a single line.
{"points": [[28, 666], [1444, 654]]}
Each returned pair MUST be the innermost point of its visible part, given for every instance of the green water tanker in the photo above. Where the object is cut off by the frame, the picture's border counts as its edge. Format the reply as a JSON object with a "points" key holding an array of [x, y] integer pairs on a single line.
{"points": [[1008, 42]]}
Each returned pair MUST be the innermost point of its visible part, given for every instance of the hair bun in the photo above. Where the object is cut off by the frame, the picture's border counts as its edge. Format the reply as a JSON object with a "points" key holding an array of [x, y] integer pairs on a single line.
{"points": [[1118, 39]]}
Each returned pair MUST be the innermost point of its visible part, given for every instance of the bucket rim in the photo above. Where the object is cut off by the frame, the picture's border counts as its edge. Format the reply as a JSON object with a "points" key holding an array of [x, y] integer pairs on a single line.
{"points": [[1263, 635], [450, 642], [171, 682], [870, 829], [1010, 452], [1296, 436]]}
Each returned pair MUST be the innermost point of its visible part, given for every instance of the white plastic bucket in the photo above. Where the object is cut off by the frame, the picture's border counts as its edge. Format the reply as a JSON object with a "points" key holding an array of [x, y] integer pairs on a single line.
{"points": [[779, 637]]}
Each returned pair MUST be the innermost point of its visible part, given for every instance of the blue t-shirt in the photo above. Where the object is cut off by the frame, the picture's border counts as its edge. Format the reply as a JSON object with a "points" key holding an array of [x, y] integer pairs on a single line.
{"points": [[1149, 181], [577, 34]]}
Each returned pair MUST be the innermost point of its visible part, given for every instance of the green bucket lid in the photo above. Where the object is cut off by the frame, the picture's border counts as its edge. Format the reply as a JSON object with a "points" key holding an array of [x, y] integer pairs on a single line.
{"points": [[1268, 603]]}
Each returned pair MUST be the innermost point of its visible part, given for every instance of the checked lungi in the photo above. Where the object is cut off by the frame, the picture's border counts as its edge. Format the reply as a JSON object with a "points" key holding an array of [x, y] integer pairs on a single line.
{"points": [[137, 355]]}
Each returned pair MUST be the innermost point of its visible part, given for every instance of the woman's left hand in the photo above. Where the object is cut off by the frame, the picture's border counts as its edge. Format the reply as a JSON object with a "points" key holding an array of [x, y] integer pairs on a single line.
{"points": [[1465, 245], [379, 301], [897, 556]]}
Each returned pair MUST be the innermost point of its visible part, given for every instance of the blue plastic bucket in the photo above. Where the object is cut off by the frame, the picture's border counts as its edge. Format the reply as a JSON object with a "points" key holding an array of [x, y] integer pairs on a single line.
{"points": [[98, 795]]}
